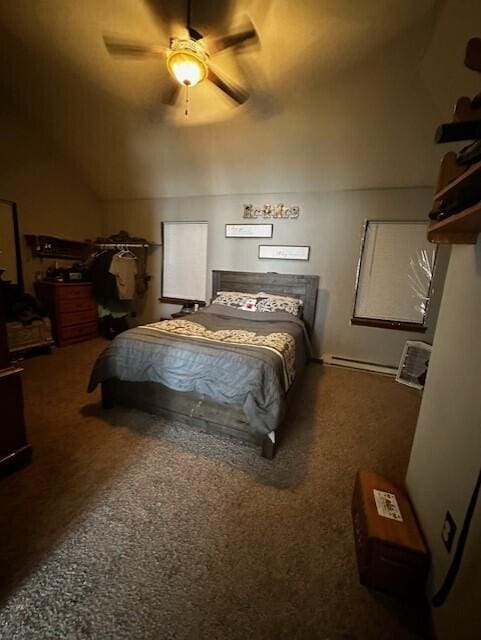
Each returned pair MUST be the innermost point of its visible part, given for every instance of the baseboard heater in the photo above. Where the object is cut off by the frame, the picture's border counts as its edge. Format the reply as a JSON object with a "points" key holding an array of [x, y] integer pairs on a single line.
{"points": [[349, 363]]}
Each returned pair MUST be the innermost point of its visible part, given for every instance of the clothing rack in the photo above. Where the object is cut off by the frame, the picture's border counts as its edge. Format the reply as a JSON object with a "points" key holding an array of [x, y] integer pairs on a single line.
{"points": [[122, 245], [122, 240]]}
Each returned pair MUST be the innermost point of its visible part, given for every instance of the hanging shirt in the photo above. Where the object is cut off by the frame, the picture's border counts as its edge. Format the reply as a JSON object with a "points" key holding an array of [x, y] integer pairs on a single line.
{"points": [[104, 283], [124, 268]]}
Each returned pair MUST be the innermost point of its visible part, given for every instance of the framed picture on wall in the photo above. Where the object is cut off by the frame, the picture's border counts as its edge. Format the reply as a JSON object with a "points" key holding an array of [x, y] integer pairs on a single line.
{"points": [[283, 252], [248, 230]]}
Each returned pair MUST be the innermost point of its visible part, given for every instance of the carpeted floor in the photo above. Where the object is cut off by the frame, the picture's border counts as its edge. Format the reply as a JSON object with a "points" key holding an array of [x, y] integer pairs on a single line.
{"points": [[127, 527]]}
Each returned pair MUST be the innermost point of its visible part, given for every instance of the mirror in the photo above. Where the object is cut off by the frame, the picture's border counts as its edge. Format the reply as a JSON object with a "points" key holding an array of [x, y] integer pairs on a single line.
{"points": [[394, 275], [10, 256]]}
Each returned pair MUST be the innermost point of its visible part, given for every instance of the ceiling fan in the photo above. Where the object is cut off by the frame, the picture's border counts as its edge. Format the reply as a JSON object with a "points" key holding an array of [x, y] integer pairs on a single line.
{"points": [[188, 58]]}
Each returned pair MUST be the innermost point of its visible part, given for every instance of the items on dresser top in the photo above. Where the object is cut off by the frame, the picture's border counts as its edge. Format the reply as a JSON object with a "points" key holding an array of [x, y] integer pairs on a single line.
{"points": [[71, 308], [75, 273]]}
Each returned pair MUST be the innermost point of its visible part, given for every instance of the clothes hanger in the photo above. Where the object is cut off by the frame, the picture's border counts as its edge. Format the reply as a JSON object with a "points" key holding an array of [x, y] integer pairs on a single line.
{"points": [[125, 251]]}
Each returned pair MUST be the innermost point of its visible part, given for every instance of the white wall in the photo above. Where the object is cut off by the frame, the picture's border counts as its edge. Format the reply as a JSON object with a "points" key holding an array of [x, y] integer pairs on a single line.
{"points": [[50, 198], [337, 100], [331, 223], [446, 454]]}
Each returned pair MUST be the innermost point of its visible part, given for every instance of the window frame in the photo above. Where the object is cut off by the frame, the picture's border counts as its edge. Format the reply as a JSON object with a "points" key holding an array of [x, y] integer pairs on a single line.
{"points": [[383, 323], [168, 299]]}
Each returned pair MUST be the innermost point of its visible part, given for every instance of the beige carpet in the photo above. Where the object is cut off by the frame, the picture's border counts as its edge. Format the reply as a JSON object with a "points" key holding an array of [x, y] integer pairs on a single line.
{"points": [[125, 526]]}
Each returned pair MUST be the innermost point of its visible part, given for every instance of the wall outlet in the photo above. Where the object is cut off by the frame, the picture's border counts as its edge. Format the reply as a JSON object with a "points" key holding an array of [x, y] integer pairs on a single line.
{"points": [[449, 531]]}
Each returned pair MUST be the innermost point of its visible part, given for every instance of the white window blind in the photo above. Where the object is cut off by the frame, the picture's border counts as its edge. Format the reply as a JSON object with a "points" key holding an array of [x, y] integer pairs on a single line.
{"points": [[395, 272], [184, 274]]}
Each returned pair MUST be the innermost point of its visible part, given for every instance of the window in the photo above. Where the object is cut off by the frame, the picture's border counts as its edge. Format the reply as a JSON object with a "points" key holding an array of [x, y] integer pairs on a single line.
{"points": [[394, 275], [184, 265]]}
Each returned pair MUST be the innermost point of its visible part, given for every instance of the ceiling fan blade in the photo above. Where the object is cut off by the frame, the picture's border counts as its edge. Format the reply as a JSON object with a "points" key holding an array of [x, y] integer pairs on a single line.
{"points": [[170, 93], [169, 14], [246, 35], [193, 33], [234, 92], [213, 16], [130, 48]]}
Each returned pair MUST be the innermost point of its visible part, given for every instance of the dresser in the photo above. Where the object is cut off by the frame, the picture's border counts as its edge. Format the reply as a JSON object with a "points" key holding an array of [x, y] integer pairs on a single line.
{"points": [[72, 310], [14, 448]]}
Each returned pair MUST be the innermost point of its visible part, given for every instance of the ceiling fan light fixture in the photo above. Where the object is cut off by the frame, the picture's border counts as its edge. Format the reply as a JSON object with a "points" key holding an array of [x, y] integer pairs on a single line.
{"points": [[186, 64]]}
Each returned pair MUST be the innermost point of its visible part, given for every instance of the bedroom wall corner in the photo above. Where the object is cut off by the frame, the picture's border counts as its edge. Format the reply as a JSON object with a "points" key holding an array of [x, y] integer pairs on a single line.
{"points": [[51, 198]]}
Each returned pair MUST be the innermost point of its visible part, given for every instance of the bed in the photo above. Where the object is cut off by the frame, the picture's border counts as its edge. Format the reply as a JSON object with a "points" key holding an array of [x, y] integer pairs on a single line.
{"points": [[224, 370]]}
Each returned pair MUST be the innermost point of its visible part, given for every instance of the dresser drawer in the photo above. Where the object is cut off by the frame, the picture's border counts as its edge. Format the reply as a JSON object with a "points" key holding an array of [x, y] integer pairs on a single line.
{"points": [[77, 317], [77, 304], [78, 332], [73, 292], [72, 309]]}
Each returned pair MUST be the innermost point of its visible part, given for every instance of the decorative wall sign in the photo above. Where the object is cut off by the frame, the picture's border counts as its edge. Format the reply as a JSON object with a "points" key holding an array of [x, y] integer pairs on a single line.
{"points": [[248, 230], [271, 211], [283, 252]]}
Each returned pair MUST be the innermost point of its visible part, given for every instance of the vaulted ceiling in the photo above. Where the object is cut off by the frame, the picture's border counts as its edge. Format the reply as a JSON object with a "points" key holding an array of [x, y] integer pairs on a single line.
{"points": [[336, 97]]}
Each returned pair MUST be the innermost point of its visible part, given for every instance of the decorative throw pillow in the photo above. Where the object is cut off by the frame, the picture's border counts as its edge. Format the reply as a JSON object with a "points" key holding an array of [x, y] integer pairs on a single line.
{"points": [[250, 304], [237, 299], [269, 302]]}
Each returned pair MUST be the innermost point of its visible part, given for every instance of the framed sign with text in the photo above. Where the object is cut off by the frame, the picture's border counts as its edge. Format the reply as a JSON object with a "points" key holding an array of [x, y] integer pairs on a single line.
{"points": [[248, 230], [283, 252]]}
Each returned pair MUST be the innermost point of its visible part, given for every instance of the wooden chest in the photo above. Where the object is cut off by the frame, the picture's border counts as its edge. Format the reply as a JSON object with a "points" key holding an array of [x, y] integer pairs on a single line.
{"points": [[391, 552], [72, 310]]}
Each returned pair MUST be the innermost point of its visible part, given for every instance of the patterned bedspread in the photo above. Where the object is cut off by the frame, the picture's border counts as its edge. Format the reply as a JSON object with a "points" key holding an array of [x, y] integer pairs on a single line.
{"points": [[283, 344], [242, 358]]}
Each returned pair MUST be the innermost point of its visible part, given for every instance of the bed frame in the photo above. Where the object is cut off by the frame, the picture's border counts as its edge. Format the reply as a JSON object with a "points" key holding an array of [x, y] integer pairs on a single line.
{"points": [[200, 412]]}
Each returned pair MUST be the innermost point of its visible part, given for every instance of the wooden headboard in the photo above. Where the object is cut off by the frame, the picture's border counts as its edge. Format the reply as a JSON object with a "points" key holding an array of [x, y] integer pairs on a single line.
{"points": [[294, 285]]}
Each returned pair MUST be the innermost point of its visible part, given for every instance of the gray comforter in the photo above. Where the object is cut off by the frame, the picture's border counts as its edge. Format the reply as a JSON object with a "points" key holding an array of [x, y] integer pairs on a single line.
{"points": [[230, 356]]}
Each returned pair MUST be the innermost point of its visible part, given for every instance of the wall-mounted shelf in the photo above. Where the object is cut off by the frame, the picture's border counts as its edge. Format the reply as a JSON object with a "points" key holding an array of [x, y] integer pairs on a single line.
{"points": [[52, 247], [461, 228], [470, 179], [457, 190]]}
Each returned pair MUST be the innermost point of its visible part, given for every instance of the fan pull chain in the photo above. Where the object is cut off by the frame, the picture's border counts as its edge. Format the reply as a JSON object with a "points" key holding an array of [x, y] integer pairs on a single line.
{"points": [[187, 101]]}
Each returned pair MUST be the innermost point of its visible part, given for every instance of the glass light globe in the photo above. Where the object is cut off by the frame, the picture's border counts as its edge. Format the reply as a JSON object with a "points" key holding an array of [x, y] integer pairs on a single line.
{"points": [[186, 68]]}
